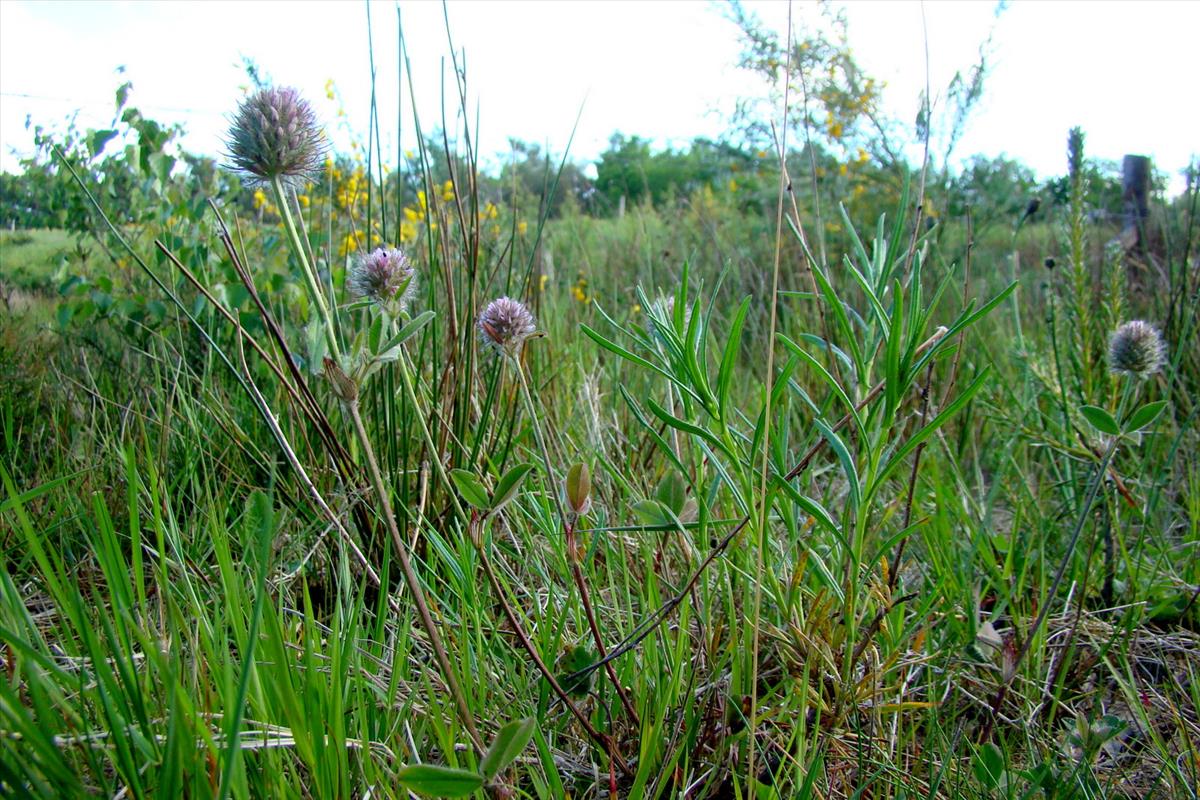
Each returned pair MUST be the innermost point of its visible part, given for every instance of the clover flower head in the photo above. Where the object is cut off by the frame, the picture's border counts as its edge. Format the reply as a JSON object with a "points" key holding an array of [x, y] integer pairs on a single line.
{"points": [[383, 275], [1136, 349], [505, 325], [275, 134]]}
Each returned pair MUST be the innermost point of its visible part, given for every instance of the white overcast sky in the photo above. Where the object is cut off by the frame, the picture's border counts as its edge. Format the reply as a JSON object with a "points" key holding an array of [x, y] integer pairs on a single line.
{"points": [[1125, 71]]}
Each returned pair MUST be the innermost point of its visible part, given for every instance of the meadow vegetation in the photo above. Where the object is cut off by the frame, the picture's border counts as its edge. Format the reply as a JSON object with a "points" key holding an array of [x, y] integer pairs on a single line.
{"points": [[789, 469]]}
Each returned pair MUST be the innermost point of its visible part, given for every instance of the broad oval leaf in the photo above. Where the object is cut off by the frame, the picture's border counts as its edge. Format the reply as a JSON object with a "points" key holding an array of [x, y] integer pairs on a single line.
{"points": [[672, 492], [1144, 416], [507, 486], [470, 488], [652, 513], [508, 744], [1100, 419], [437, 781]]}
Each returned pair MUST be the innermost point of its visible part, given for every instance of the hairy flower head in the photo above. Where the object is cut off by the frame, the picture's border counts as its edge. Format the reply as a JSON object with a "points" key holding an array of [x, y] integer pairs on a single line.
{"points": [[1136, 349], [383, 275], [275, 134], [505, 325]]}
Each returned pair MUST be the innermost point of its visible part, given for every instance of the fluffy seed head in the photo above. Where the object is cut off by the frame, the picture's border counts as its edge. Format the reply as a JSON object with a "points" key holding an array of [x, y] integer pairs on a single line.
{"points": [[1136, 349], [505, 325], [275, 135], [383, 275]]}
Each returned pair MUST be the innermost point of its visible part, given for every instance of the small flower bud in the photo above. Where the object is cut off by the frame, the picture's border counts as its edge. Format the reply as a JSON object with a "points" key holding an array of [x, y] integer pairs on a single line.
{"points": [[579, 489], [505, 325], [343, 385], [1136, 349]]}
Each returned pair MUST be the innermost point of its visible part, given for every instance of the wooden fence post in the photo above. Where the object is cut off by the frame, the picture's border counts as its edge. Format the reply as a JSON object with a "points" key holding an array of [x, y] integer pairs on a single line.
{"points": [[1135, 185]]}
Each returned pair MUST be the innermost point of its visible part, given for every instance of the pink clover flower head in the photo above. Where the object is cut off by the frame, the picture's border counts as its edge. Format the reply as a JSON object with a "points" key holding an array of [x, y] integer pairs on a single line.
{"points": [[383, 275], [1136, 349], [275, 134], [505, 325]]}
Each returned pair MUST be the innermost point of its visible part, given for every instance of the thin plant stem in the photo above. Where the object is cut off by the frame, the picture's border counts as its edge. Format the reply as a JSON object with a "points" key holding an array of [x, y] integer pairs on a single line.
{"points": [[602, 740], [409, 390], [585, 599], [537, 433], [760, 544], [410, 576], [310, 277], [568, 530], [1027, 645]]}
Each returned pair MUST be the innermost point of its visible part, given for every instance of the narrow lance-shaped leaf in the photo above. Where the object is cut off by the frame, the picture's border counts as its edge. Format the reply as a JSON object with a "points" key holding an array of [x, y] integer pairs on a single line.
{"points": [[391, 350]]}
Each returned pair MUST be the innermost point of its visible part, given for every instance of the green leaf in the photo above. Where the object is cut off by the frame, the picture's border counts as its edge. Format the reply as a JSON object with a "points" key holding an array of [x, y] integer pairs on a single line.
{"points": [[97, 140], [652, 513], [617, 350], [1145, 415], [508, 744], [507, 486], [924, 433], [470, 488], [672, 492], [844, 457], [729, 358], [1100, 419], [687, 427], [36, 492], [576, 659], [391, 350], [989, 766], [437, 781], [828, 379]]}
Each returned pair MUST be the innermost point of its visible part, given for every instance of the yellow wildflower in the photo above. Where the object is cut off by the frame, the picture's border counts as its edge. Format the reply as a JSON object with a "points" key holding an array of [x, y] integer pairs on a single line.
{"points": [[448, 191], [349, 245], [542, 281], [329, 88], [637, 308], [522, 226], [303, 199], [411, 214], [260, 198], [733, 185], [843, 169]]}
